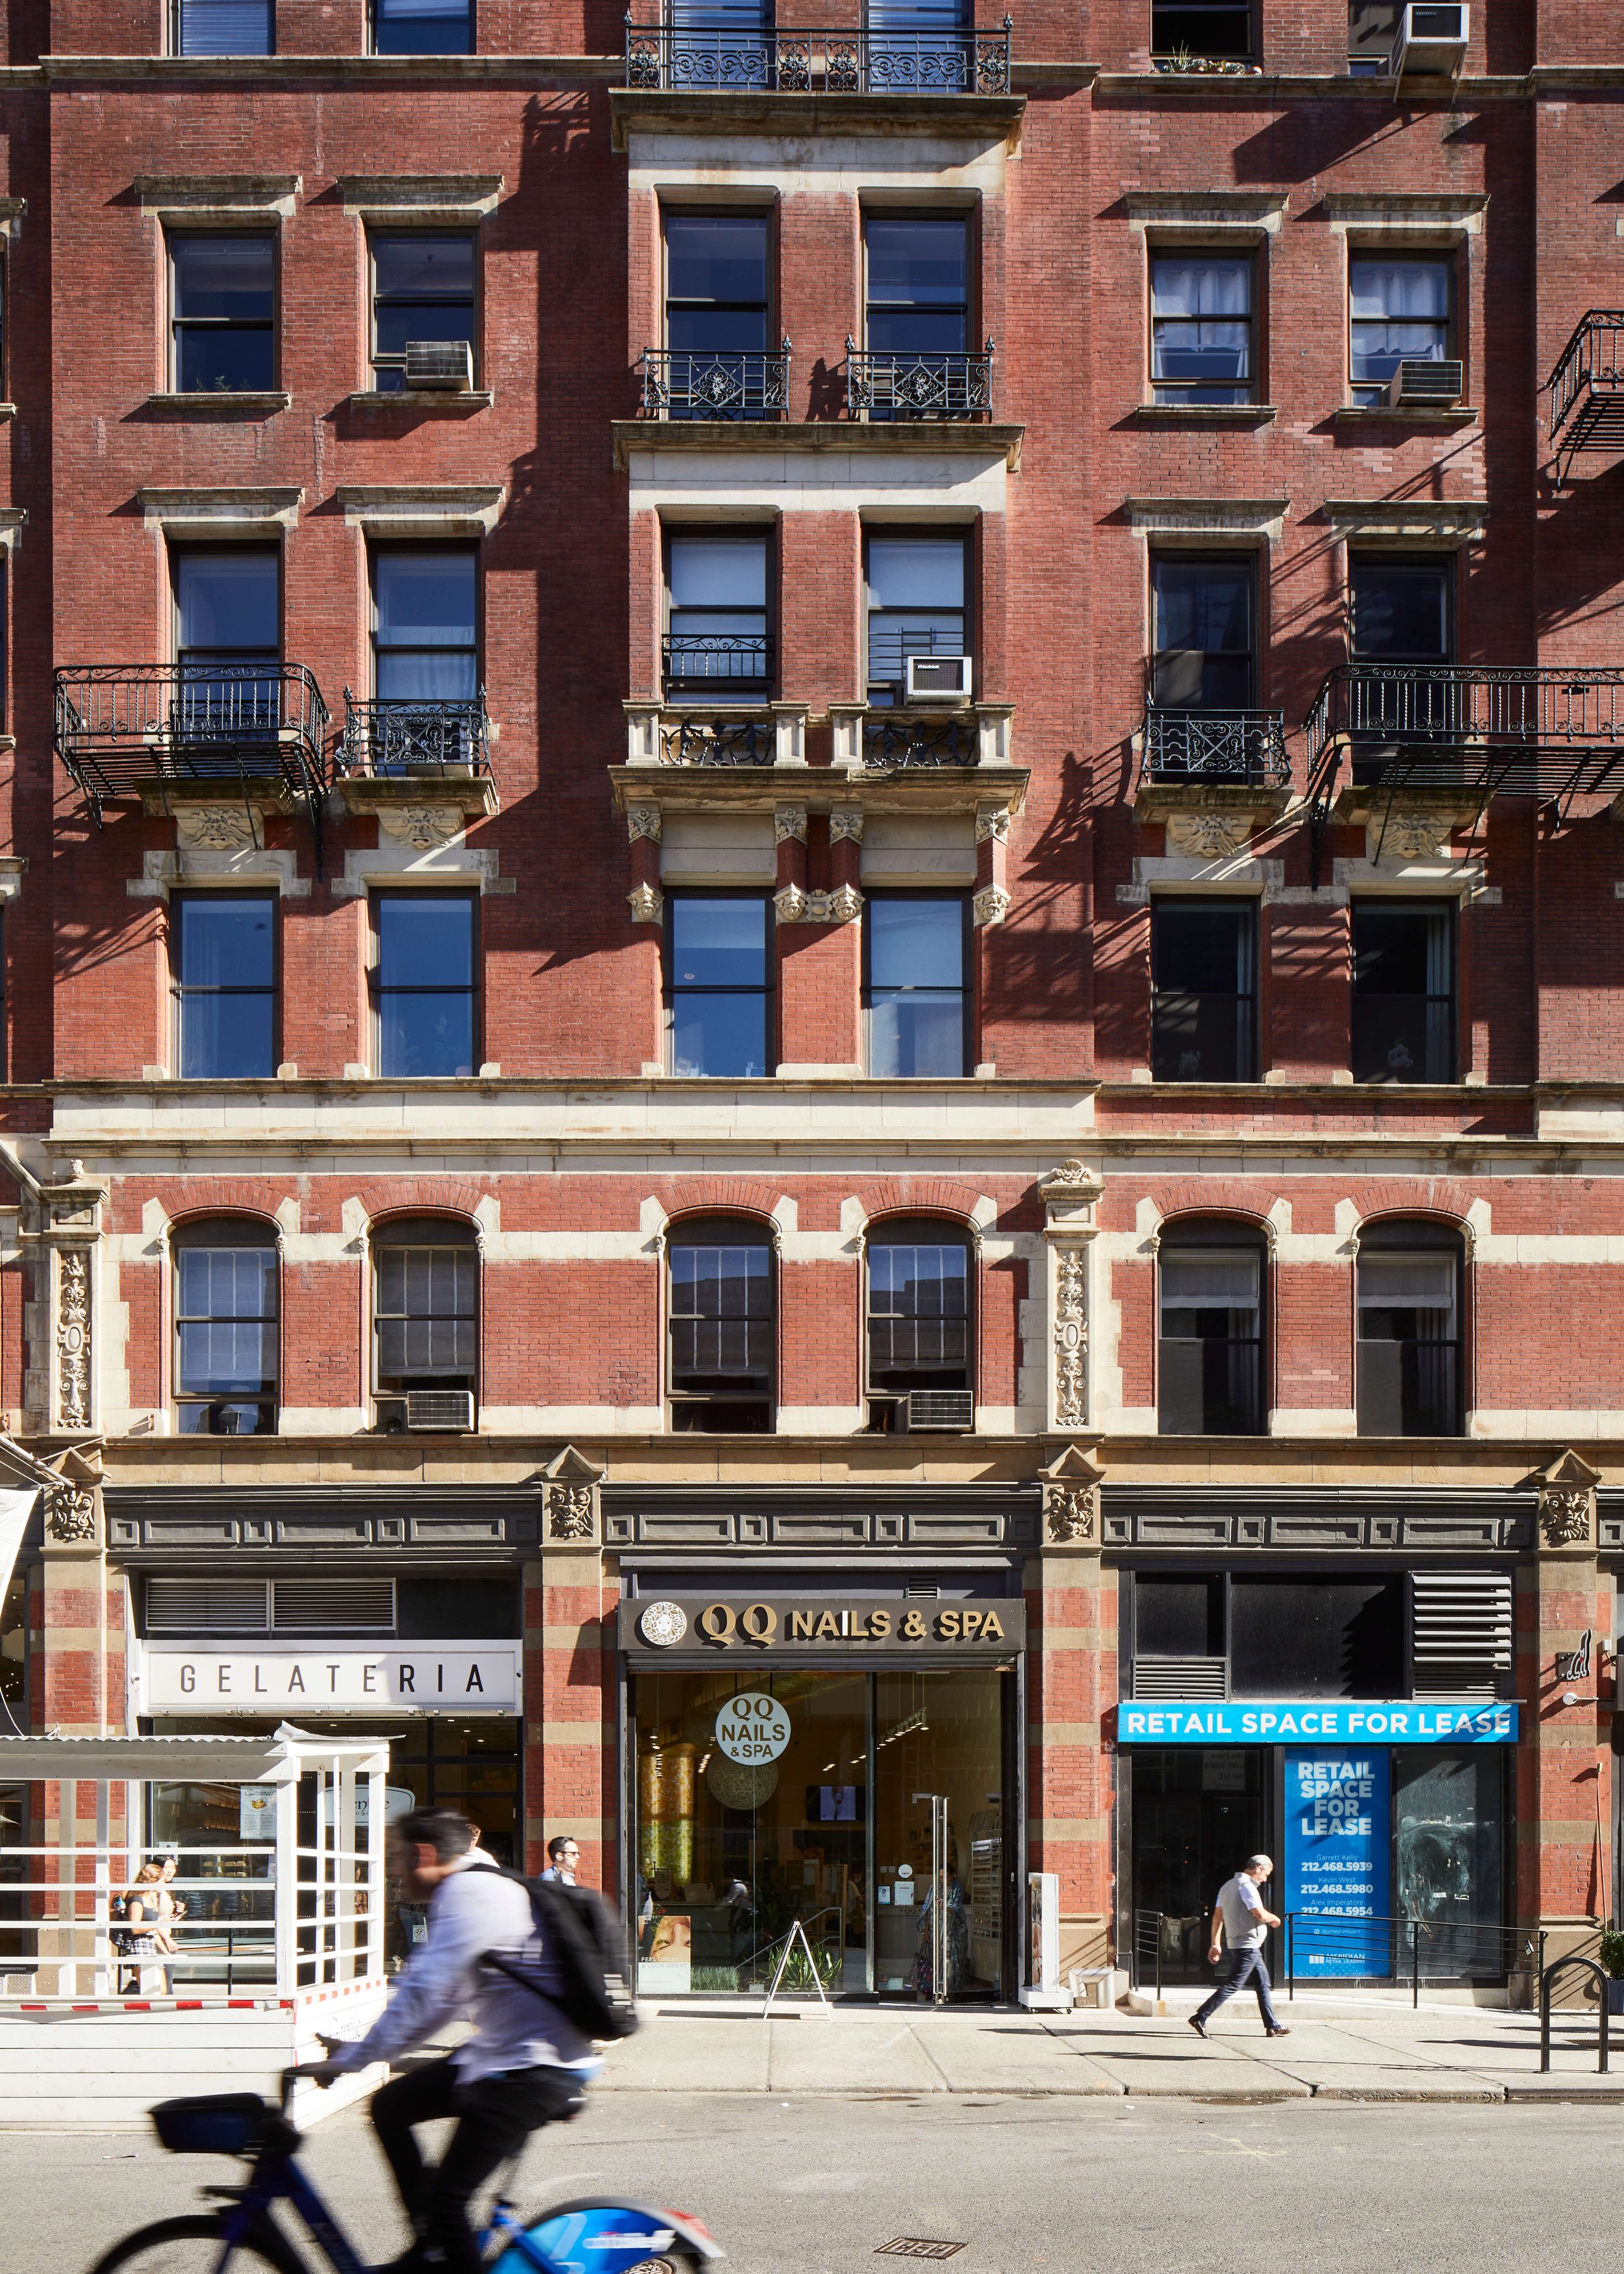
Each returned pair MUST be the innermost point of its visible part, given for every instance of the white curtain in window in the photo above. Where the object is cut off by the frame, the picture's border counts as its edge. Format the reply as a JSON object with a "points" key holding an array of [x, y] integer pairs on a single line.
{"points": [[1209, 1282], [1202, 287], [1407, 1282]]}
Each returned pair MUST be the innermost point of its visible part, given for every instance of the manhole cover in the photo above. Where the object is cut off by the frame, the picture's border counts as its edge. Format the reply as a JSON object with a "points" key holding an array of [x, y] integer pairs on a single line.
{"points": [[915, 2246]]}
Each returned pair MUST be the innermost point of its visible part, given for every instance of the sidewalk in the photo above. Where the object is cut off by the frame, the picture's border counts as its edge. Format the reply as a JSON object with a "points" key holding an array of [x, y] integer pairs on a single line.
{"points": [[1341, 2048]]}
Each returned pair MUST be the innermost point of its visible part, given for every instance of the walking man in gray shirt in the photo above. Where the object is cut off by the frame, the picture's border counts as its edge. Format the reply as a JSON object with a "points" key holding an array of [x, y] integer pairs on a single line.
{"points": [[1245, 1922]]}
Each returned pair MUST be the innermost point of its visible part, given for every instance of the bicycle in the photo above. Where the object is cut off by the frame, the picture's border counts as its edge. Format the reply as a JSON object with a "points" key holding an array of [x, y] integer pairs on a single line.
{"points": [[589, 2235]]}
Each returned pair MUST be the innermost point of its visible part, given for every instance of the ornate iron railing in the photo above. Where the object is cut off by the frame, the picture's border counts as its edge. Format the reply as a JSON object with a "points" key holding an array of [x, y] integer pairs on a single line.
{"points": [[1466, 722], [124, 727], [892, 739], [734, 60], [717, 658], [718, 742], [1243, 747], [1587, 388], [397, 736], [918, 386], [678, 383]]}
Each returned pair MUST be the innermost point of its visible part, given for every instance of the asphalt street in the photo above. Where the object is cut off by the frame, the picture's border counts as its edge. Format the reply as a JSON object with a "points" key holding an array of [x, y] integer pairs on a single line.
{"points": [[816, 2184]]}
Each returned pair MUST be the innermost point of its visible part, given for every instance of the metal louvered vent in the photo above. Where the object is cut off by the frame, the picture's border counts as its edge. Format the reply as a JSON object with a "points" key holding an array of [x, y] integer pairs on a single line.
{"points": [[1460, 1632], [207, 1607], [333, 1606], [1181, 1677]]}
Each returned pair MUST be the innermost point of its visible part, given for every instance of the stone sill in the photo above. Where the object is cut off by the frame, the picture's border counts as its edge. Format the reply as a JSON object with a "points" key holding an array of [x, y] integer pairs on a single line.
{"points": [[1464, 1094], [424, 398], [763, 436], [222, 405], [474, 794], [276, 70], [158, 799], [1155, 801], [1206, 414], [675, 110], [1269, 86], [1387, 414], [751, 789], [7, 411]]}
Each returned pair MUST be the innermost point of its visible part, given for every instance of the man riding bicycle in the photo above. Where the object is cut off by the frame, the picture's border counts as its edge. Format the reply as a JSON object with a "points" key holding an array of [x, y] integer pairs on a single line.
{"points": [[525, 2065]]}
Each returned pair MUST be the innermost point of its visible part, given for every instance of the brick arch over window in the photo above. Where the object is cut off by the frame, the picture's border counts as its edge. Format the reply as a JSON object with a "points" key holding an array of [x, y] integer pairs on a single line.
{"points": [[200, 1211], [1438, 1201], [1187, 1196], [432, 1196], [719, 1196], [201, 1196], [919, 1196]]}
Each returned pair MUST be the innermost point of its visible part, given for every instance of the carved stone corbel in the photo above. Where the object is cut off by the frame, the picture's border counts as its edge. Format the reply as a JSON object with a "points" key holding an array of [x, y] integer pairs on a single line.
{"points": [[1567, 1505], [1071, 1500], [570, 1498]]}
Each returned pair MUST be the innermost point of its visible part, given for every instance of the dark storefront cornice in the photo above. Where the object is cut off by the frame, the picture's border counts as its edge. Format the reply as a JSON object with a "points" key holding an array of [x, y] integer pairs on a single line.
{"points": [[1319, 1519], [462, 1524], [821, 1519]]}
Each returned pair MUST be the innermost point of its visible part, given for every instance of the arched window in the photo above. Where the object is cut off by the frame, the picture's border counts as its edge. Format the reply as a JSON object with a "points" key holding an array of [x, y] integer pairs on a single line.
{"points": [[425, 1324], [225, 1330], [720, 1307], [1209, 1372], [1410, 1282], [918, 1325]]}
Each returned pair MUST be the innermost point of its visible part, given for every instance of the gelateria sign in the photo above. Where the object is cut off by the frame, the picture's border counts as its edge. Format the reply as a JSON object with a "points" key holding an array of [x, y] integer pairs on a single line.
{"points": [[842, 1626], [410, 1677]]}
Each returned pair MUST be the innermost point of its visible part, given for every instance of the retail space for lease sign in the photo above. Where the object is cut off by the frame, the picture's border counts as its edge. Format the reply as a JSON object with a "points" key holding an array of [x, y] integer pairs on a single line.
{"points": [[1281, 1721], [415, 1677]]}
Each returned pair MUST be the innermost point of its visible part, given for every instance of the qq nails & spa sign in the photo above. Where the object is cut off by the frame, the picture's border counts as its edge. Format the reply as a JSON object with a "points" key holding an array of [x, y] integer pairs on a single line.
{"points": [[417, 1677], [844, 1626]]}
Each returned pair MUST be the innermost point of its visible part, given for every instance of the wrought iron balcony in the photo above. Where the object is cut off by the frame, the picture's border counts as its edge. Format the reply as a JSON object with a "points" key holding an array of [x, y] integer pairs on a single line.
{"points": [[122, 729], [1538, 730], [1587, 389], [697, 741], [895, 387], [678, 383], [717, 660], [400, 739], [736, 60], [1242, 750], [893, 741]]}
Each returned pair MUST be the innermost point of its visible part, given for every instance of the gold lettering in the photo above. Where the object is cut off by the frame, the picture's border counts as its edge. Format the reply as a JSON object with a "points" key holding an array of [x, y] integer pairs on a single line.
{"points": [[913, 1627], [992, 1627], [801, 1626], [879, 1625], [971, 1625], [715, 1622], [759, 1621], [827, 1630], [947, 1626]]}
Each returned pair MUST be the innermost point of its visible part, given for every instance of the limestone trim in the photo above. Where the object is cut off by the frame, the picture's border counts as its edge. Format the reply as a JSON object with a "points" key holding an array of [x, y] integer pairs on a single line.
{"points": [[1194, 519], [1248, 215], [220, 512], [218, 197], [1408, 521], [450, 199], [422, 509], [427, 844], [1071, 1194], [1415, 215], [216, 864]]}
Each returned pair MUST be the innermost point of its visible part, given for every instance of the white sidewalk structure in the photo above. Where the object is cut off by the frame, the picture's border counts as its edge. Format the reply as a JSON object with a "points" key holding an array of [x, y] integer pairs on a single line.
{"points": [[283, 1933]]}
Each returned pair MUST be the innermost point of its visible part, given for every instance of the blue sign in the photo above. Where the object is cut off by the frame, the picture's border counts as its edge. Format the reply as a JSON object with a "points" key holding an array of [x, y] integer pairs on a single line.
{"points": [[1286, 1721], [1337, 1847]]}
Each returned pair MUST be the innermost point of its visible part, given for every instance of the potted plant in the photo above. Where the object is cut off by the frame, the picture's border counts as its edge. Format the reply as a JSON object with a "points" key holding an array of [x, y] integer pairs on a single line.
{"points": [[1609, 1951]]}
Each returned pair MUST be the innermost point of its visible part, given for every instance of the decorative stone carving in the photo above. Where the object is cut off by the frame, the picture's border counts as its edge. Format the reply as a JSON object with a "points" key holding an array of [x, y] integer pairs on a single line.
{"points": [[647, 903], [1071, 1338], [1208, 836], [73, 1337], [1418, 836], [1071, 1512], [217, 828], [425, 827], [70, 1513], [789, 821], [843, 905], [1568, 1501], [990, 905], [845, 820], [992, 821], [1072, 1181], [569, 1490], [643, 821]]}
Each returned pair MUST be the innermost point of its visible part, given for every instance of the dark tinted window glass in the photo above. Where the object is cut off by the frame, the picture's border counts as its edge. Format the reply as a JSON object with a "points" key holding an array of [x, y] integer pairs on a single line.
{"points": [[1316, 1637], [225, 1329], [717, 608], [718, 983], [1201, 327], [228, 607], [1372, 24], [1407, 1288], [1204, 28], [425, 623], [716, 283], [1401, 610], [1208, 1359], [916, 605], [1203, 966], [918, 285], [1178, 1617], [720, 1297], [226, 986], [919, 1309], [425, 983], [223, 313], [1203, 633], [917, 996], [422, 27], [426, 1308], [1403, 993], [423, 289]]}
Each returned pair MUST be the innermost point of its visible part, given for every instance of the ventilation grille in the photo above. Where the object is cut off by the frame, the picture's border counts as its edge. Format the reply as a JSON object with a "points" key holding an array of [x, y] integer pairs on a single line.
{"points": [[1434, 384], [1181, 1677], [1461, 1632], [241, 1607], [952, 1409], [440, 1409], [439, 363]]}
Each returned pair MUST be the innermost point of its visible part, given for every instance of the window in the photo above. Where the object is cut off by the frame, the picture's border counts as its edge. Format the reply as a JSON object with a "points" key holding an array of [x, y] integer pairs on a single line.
{"points": [[1219, 28], [919, 1310], [1401, 610], [225, 1330], [223, 27], [423, 289], [227, 611], [718, 983], [1210, 1342], [1203, 1019], [918, 311], [1201, 328], [916, 584], [1409, 1289], [1403, 991], [225, 985], [920, 46], [1399, 308], [717, 314], [425, 639], [425, 1310], [721, 1326], [916, 990], [721, 43], [1372, 26], [223, 313], [1203, 659], [425, 982], [422, 27], [715, 620]]}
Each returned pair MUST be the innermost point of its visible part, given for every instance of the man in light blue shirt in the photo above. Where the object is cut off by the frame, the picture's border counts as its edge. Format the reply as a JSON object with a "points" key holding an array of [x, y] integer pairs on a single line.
{"points": [[1245, 1922]]}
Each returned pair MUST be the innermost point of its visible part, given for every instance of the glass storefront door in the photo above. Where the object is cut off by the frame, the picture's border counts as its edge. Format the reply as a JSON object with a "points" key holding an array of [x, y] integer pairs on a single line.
{"points": [[1197, 1815], [882, 1802]]}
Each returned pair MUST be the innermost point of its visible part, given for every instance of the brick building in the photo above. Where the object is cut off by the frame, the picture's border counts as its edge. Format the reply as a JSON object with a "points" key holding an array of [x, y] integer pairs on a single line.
{"points": [[809, 869]]}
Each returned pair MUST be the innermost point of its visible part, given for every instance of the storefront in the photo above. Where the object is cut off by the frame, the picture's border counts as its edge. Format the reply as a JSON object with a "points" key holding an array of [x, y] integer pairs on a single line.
{"points": [[848, 1762]]}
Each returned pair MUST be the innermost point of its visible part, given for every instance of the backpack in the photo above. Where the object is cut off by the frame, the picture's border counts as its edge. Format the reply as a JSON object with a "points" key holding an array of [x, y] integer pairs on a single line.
{"points": [[579, 1949]]}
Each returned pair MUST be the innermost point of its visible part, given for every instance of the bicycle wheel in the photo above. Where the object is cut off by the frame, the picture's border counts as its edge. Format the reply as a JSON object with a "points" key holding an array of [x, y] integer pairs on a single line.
{"points": [[603, 2238], [192, 2245]]}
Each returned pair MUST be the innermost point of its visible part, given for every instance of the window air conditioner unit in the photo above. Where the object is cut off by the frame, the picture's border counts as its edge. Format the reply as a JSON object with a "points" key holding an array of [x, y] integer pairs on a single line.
{"points": [[1418, 385], [949, 1410], [440, 1409], [1430, 39], [439, 363], [938, 679]]}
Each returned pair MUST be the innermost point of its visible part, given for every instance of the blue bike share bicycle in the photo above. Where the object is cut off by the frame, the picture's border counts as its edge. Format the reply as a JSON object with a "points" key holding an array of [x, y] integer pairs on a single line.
{"points": [[595, 2235]]}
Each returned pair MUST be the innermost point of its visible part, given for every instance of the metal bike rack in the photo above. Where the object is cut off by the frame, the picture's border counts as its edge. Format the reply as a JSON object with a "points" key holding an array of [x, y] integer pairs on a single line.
{"points": [[1547, 1976]]}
